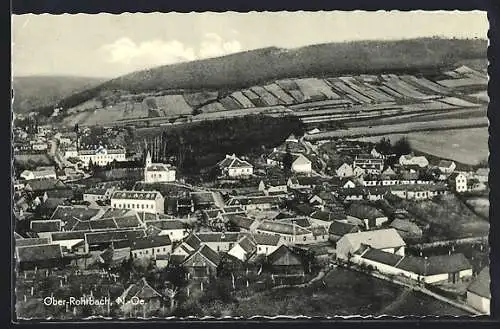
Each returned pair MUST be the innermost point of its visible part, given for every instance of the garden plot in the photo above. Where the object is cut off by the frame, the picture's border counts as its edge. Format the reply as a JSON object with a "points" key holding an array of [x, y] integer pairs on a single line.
{"points": [[432, 106], [229, 103], [365, 91], [200, 98], [213, 107], [331, 103], [173, 104], [349, 92], [481, 96], [91, 104], [403, 90], [386, 90], [134, 111], [463, 82], [254, 98], [458, 102], [426, 84], [279, 93], [315, 89], [292, 88], [265, 96], [242, 99]]}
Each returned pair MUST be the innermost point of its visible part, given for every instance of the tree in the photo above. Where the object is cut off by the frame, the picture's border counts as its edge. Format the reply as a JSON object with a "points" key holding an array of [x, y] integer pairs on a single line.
{"points": [[287, 161], [384, 146], [402, 146]]}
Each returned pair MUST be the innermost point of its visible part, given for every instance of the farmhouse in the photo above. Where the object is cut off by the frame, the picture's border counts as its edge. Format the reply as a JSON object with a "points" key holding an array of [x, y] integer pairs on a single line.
{"points": [[101, 156], [339, 228], [291, 233], [157, 172], [369, 163], [151, 246], [387, 240], [479, 293], [233, 167], [147, 201], [143, 291], [244, 248], [219, 241], [371, 216], [174, 229], [447, 166], [240, 223], [40, 256], [104, 239], [412, 160], [300, 164], [283, 261], [458, 182], [302, 182], [406, 228], [98, 194], [273, 186], [188, 246], [39, 173], [267, 244], [344, 170], [202, 263]]}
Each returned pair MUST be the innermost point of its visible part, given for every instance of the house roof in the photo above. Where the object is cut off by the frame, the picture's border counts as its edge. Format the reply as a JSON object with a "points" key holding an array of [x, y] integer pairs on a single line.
{"points": [[193, 241], [45, 225], [278, 156], [111, 236], [326, 216], [319, 230], [207, 237], [481, 284], [405, 225], [382, 256], [151, 242], [284, 228], [75, 235], [31, 242], [60, 194], [435, 264], [115, 212], [96, 191], [159, 167], [39, 253], [284, 256], [207, 253], [378, 239], [445, 163], [142, 290], [168, 224], [247, 244], [274, 181], [136, 195], [44, 184], [266, 239], [233, 209], [341, 228], [254, 200], [240, 221], [232, 161], [72, 213], [202, 198], [364, 211]]}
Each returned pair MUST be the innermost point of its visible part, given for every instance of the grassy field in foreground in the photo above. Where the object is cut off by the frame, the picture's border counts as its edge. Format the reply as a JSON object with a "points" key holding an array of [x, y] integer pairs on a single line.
{"points": [[346, 293], [467, 146]]}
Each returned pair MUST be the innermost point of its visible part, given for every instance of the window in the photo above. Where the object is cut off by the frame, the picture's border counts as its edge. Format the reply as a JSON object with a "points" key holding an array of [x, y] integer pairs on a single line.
{"points": [[164, 249], [304, 238], [133, 206], [147, 252], [142, 206]]}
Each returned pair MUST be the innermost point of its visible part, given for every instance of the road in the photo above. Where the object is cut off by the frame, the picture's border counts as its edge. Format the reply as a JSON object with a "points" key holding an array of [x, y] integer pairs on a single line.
{"points": [[311, 149]]}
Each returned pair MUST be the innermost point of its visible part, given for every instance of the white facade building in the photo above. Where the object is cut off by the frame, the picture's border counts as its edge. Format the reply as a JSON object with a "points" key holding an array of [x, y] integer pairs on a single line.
{"points": [[158, 172], [146, 201], [100, 156]]}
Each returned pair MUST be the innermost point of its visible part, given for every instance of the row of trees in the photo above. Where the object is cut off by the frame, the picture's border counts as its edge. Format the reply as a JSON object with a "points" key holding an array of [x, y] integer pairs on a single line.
{"points": [[401, 147]]}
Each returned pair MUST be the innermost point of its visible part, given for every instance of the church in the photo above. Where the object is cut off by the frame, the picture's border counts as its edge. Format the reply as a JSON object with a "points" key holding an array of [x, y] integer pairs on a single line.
{"points": [[158, 172]]}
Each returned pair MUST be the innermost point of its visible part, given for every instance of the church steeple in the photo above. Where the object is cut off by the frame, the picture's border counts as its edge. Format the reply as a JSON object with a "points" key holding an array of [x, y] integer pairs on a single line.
{"points": [[148, 159]]}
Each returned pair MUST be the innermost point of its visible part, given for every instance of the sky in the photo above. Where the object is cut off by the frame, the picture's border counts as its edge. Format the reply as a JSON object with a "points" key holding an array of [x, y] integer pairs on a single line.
{"points": [[106, 45]]}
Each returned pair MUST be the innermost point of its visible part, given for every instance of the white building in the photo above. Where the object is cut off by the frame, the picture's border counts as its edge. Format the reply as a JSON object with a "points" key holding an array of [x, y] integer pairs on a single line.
{"points": [[479, 293], [234, 167], [447, 166], [344, 170], [300, 164], [243, 249], [146, 201], [151, 246], [158, 172], [99, 156], [39, 173], [387, 240], [458, 181], [411, 160], [98, 194], [175, 229]]}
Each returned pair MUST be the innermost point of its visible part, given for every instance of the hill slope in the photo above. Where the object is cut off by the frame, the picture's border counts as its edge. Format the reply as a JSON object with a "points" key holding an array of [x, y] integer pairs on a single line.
{"points": [[31, 92], [253, 67]]}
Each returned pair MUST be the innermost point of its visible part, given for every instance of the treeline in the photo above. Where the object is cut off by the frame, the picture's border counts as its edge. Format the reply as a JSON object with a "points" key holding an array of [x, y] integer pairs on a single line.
{"points": [[202, 144]]}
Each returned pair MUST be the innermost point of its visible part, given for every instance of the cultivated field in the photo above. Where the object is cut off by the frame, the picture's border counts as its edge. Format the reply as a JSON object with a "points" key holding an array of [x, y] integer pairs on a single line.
{"points": [[467, 146]]}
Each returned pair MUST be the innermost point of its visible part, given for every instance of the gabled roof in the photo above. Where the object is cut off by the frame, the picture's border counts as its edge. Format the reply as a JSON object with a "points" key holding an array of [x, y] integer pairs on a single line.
{"points": [[481, 284], [31, 242], [142, 290], [151, 242], [247, 244], [193, 241], [202, 198], [232, 161], [284, 256], [274, 181], [70, 213], [207, 237], [45, 225], [266, 239], [326, 215], [44, 184], [363, 211], [382, 257], [111, 236], [206, 252], [284, 228], [240, 221], [159, 167], [378, 239], [342, 228], [435, 264], [405, 225], [39, 253], [168, 224]]}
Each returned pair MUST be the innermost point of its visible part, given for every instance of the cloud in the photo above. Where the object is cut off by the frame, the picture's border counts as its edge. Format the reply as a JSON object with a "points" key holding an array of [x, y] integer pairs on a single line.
{"points": [[156, 52]]}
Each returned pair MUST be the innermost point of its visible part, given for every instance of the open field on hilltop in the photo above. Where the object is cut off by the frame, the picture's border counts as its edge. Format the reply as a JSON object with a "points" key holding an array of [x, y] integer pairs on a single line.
{"points": [[467, 146], [346, 293], [481, 206]]}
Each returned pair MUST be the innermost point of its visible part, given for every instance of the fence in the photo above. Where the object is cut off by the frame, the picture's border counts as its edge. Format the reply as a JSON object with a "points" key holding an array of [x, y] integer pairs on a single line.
{"points": [[445, 243]]}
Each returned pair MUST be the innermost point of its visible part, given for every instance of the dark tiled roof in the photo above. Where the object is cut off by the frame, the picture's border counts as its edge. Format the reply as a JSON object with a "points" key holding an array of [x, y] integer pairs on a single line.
{"points": [[44, 184], [142, 290], [218, 237], [266, 239], [45, 225], [363, 211], [283, 256], [435, 264], [202, 198], [70, 213], [233, 162], [382, 257], [168, 224], [151, 242], [247, 244], [31, 242], [39, 253], [193, 241], [110, 236], [240, 221], [342, 228], [75, 235], [284, 228]]}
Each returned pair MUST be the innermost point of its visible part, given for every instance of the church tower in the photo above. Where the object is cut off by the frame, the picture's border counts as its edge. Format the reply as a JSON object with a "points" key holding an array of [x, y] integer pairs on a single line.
{"points": [[148, 160]]}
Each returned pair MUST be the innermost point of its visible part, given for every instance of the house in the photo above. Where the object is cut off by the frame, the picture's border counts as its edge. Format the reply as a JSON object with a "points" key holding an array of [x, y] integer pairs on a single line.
{"points": [[291, 233], [157, 172], [151, 246], [240, 223], [69, 241], [375, 193], [387, 240], [43, 184], [292, 138], [175, 229], [302, 182], [39, 226], [339, 228], [100, 155], [98, 194], [447, 166], [255, 203], [267, 244], [479, 292], [273, 186], [371, 216], [406, 228], [147, 201], [412, 160], [184, 206], [202, 200], [347, 183], [101, 240], [351, 194], [39, 173], [150, 300], [39, 256], [458, 182], [369, 163], [376, 154], [283, 261], [325, 218], [300, 164], [202, 263], [190, 244], [233, 167], [388, 174], [244, 248], [358, 171], [219, 241], [482, 174], [344, 170]]}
